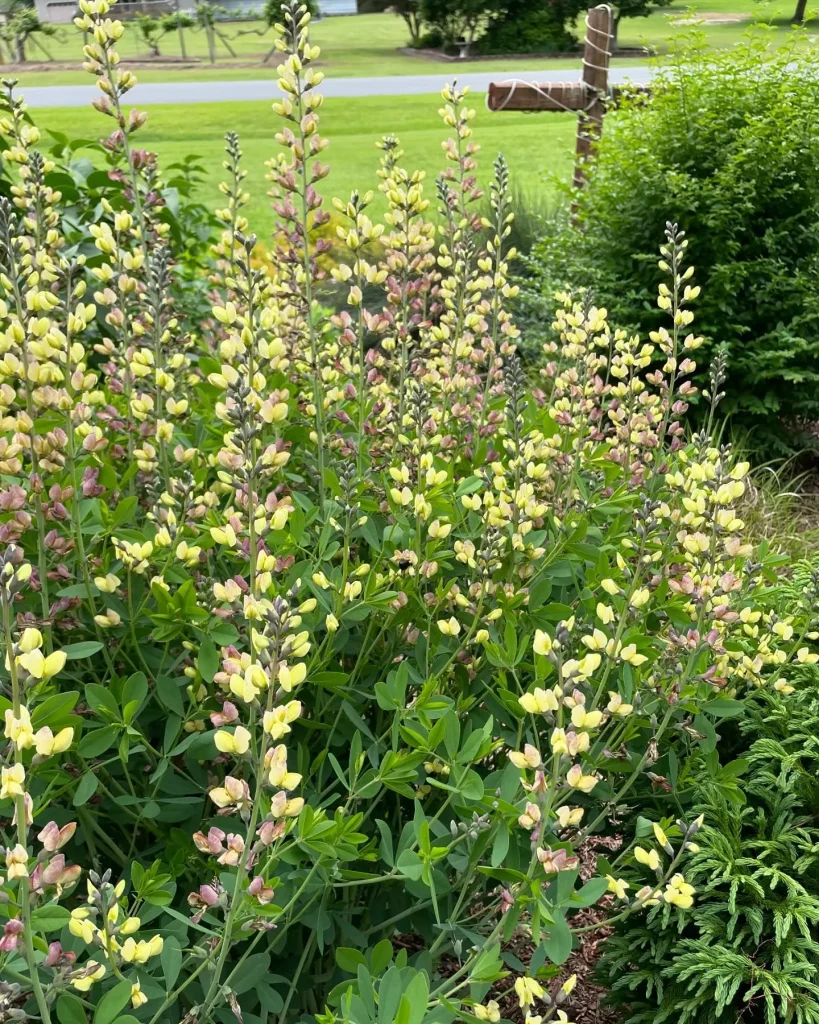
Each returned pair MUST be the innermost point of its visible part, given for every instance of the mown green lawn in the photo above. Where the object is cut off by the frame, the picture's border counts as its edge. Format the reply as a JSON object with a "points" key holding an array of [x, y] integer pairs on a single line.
{"points": [[538, 147], [367, 45]]}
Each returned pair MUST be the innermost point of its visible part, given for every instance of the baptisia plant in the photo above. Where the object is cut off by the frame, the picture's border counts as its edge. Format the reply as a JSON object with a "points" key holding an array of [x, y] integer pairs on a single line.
{"points": [[329, 626]]}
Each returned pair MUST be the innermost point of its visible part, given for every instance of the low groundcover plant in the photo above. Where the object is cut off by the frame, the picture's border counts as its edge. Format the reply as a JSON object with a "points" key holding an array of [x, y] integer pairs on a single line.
{"points": [[324, 627]]}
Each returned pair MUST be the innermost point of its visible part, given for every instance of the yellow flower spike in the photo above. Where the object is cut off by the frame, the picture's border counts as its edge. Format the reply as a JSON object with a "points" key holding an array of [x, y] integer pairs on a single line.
{"points": [[577, 780], [106, 584], [618, 886], [47, 744], [30, 640], [529, 758], [616, 705], [82, 928], [237, 742], [650, 858], [12, 781], [629, 654], [450, 626], [225, 535], [42, 667], [527, 990], [490, 1012], [605, 613], [679, 893], [539, 702], [138, 997], [291, 677], [583, 719], [96, 973], [19, 730]]}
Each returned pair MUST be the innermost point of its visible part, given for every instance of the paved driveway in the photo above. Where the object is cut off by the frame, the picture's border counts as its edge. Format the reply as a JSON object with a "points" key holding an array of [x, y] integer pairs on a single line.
{"points": [[149, 93]]}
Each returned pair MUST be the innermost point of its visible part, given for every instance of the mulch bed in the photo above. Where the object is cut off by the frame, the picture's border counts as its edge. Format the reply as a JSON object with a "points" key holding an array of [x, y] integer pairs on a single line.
{"points": [[586, 1003], [438, 55]]}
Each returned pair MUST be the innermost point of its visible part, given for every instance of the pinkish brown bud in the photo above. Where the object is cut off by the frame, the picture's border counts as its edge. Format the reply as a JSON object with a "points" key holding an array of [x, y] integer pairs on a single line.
{"points": [[53, 837]]}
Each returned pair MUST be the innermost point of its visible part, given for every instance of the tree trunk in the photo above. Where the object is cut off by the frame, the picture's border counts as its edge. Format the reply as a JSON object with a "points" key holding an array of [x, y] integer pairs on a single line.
{"points": [[414, 27], [799, 14], [20, 48]]}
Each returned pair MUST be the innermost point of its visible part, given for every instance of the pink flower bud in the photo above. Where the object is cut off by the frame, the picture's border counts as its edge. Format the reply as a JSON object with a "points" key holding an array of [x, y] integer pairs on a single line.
{"points": [[53, 837], [227, 715], [209, 895], [210, 843], [11, 934]]}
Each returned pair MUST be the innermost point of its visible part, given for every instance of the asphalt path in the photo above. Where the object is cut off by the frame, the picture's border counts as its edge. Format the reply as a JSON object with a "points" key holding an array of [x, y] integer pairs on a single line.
{"points": [[150, 93]]}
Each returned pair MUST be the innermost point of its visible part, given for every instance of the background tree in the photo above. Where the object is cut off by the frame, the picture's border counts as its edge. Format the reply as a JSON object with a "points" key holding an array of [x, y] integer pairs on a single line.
{"points": [[151, 31], [409, 10], [453, 20], [638, 9], [21, 25], [206, 16]]}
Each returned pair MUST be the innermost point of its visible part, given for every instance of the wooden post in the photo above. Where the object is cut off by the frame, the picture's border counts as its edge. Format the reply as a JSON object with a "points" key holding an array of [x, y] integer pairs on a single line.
{"points": [[596, 58]]}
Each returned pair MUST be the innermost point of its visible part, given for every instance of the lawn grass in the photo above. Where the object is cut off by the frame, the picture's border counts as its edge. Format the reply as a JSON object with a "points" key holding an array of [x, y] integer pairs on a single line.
{"points": [[538, 148], [367, 45]]}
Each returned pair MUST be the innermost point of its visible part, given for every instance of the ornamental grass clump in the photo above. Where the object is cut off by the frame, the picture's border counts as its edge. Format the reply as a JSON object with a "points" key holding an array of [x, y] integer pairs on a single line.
{"points": [[327, 626]]}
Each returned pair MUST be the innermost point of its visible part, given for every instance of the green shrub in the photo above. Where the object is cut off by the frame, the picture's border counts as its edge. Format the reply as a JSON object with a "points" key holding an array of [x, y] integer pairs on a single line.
{"points": [[728, 147], [531, 28]]}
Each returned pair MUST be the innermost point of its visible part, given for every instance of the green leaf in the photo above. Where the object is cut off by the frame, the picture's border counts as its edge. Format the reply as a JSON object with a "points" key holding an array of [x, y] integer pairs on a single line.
{"points": [[81, 650], [54, 709], [50, 918], [251, 972], [410, 865], [171, 959], [96, 741], [208, 660], [102, 700], [724, 707], [108, 1008], [134, 692], [170, 694], [348, 959], [70, 1010], [558, 942], [86, 789], [590, 893]]}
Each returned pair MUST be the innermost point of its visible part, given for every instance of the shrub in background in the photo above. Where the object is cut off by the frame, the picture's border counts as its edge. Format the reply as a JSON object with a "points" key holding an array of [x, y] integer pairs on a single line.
{"points": [[728, 146], [317, 627]]}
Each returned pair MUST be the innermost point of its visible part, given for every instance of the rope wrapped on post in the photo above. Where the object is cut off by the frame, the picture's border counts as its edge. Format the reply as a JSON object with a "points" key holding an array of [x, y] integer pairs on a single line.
{"points": [[518, 94]]}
